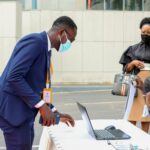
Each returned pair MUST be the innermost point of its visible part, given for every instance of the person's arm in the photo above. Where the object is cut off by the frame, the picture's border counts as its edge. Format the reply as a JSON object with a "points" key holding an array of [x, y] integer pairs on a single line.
{"points": [[139, 84], [135, 63], [66, 118], [47, 116], [129, 62], [27, 52]]}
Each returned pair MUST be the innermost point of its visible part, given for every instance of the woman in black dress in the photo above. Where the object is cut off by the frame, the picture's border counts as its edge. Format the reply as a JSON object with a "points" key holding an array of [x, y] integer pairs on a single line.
{"points": [[137, 59]]}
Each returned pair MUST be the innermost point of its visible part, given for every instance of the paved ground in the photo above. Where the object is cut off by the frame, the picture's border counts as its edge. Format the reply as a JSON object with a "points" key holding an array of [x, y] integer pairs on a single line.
{"points": [[98, 100]]}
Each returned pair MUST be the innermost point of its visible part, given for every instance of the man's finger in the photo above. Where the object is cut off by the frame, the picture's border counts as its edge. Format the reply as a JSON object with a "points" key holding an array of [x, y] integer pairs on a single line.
{"points": [[44, 122], [67, 123], [72, 122], [48, 123], [53, 121]]}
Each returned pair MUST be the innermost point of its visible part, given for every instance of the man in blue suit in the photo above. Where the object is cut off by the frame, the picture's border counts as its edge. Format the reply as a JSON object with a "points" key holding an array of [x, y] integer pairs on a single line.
{"points": [[24, 78]]}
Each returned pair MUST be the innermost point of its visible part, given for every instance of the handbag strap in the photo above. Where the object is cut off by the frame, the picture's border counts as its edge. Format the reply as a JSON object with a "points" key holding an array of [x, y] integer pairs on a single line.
{"points": [[123, 89], [124, 70]]}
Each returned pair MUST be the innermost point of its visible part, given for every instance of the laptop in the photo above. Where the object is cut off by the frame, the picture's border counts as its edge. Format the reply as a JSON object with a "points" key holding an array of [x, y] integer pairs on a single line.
{"points": [[109, 133]]}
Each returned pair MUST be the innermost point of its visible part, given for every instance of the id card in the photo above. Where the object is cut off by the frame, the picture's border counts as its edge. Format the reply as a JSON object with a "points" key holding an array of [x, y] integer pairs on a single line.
{"points": [[47, 95]]}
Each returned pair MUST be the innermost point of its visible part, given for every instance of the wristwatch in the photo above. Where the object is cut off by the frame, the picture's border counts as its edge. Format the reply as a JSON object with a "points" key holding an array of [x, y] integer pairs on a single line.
{"points": [[57, 117]]}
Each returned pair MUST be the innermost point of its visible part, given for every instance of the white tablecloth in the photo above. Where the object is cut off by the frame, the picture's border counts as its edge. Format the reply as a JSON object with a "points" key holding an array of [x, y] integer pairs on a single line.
{"points": [[61, 137]]}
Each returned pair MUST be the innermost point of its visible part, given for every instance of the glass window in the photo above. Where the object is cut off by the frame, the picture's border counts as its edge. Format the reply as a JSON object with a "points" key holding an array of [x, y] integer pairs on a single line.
{"points": [[133, 4], [22, 3], [95, 4], [98, 4], [114, 4], [146, 5], [29, 4], [54, 4], [138, 4], [34, 4]]}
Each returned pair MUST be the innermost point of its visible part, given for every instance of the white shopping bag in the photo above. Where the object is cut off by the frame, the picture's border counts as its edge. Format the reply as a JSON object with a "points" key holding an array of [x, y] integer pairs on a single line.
{"points": [[130, 99]]}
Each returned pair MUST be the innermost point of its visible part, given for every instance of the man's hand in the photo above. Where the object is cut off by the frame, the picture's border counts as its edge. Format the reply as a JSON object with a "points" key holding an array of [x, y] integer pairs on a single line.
{"points": [[67, 119], [47, 115], [139, 83]]}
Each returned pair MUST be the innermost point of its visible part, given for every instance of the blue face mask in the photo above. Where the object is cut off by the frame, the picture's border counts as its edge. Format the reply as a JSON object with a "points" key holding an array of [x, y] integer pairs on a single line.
{"points": [[64, 46]]}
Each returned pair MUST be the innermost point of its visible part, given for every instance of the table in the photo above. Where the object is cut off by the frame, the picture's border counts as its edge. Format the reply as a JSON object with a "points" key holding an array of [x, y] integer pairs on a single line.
{"points": [[61, 137]]}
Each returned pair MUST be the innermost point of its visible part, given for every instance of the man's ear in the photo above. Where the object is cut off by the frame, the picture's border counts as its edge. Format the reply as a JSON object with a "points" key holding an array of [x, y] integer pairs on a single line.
{"points": [[60, 31]]}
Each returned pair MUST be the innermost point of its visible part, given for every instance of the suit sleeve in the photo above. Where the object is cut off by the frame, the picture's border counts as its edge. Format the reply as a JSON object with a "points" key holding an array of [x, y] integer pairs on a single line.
{"points": [[27, 52]]}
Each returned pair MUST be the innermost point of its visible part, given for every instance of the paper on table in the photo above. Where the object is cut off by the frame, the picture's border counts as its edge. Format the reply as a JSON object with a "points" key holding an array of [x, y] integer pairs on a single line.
{"points": [[130, 99]]}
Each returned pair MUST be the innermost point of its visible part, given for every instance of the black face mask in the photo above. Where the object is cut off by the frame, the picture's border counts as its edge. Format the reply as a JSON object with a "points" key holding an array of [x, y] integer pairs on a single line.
{"points": [[145, 38]]}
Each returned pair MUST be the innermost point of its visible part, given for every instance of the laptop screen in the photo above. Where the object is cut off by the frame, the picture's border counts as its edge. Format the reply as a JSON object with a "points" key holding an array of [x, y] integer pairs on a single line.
{"points": [[86, 119]]}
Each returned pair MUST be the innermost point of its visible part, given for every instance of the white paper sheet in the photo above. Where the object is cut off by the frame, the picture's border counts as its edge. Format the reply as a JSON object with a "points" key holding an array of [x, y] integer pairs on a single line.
{"points": [[130, 99]]}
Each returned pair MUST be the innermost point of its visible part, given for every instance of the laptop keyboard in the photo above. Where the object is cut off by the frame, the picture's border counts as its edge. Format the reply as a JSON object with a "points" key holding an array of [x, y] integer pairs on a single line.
{"points": [[104, 134]]}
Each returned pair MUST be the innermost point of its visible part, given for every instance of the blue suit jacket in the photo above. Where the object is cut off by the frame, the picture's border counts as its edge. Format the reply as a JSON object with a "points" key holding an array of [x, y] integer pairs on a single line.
{"points": [[23, 79]]}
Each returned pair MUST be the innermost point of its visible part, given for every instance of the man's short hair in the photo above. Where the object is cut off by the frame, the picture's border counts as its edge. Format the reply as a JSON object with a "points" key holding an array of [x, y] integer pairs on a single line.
{"points": [[65, 20], [146, 86], [145, 21]]}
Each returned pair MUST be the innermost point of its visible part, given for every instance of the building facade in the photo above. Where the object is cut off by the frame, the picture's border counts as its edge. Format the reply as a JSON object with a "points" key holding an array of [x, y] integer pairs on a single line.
{"points": [[105, 29]]}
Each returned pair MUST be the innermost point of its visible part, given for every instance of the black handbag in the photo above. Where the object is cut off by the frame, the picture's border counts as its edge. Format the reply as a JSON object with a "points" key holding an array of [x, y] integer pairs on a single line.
{"points": [[122, 83]]}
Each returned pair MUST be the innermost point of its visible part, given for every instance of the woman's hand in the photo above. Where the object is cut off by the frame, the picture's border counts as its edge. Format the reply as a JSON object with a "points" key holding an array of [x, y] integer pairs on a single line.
{"points": [[139, 83], [138, 64], [135, 63]]}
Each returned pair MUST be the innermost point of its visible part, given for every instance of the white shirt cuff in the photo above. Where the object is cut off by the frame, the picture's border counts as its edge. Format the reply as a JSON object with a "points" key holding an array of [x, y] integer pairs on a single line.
{"points": [[53, 109], [39, 104]]}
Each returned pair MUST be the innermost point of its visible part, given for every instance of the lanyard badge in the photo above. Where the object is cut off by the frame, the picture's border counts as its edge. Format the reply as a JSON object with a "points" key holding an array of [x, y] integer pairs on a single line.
{"points": [[47, 95], [47, 92]]}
